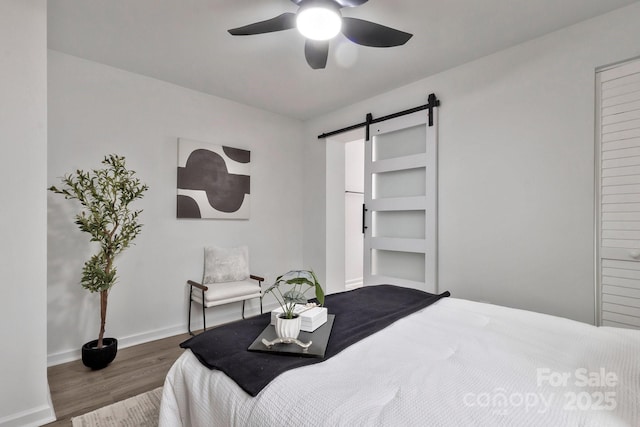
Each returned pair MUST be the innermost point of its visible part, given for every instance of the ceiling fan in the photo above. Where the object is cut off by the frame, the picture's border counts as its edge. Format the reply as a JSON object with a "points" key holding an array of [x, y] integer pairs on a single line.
{"points": [[319, 21]]}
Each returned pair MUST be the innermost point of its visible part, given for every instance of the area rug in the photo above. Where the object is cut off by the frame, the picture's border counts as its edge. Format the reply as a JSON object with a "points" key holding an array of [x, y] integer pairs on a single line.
{"points": [[138, 411]]}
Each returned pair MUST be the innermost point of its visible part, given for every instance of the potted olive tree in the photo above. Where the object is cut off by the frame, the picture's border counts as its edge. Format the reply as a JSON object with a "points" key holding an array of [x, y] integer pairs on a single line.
{"points": [[105, 195]]}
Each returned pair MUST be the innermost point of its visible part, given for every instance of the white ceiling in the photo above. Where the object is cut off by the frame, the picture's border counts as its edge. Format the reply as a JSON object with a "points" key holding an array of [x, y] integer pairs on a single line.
{"points": [[185, 42]]}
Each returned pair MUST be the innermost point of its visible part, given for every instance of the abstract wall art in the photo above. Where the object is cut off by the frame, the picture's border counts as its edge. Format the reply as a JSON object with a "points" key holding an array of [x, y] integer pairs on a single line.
{"points": [[213, 181]]}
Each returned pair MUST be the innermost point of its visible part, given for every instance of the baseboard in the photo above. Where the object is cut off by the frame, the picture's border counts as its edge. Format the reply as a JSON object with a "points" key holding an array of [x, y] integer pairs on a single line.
{"points": [[63, 357], [124, 342], [353, 283], [34, 417]]}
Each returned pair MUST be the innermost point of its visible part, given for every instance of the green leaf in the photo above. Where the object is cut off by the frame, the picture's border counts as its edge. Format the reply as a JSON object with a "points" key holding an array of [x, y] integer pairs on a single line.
{"points": [[104, 196], [319, 291], [295, 297]]}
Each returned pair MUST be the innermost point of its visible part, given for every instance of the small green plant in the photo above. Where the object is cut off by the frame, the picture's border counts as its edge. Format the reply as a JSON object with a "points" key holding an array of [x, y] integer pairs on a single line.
{"points": [[105, 195], [300, 281]]}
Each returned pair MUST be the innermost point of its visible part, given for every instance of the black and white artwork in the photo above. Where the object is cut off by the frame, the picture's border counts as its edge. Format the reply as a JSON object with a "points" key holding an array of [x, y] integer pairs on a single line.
{"points": [[213, 181]]}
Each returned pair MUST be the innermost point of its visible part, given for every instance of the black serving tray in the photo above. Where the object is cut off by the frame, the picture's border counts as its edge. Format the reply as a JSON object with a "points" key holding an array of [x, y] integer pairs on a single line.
{"points": [[319, 338]]}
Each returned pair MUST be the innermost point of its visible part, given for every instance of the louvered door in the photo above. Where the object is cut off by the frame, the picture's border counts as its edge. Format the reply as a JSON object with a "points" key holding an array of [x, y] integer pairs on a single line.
{"points": [[618, 123]]}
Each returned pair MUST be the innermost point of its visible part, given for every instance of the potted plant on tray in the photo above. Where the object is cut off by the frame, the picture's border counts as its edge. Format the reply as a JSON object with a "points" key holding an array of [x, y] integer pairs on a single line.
{"points": [[299, 283], [105, 195]]}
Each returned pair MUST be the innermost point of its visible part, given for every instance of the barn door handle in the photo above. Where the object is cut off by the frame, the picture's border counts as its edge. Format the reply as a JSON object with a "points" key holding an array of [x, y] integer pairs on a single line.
{"points": [[364, 210]]}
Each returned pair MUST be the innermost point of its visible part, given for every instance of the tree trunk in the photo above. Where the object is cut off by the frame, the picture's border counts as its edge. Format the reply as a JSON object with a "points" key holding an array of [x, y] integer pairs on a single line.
{"points": [[103, 315]]}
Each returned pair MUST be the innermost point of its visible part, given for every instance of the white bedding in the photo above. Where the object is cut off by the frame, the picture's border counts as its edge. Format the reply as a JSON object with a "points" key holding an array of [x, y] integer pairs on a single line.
{"points": [[454, 363]]}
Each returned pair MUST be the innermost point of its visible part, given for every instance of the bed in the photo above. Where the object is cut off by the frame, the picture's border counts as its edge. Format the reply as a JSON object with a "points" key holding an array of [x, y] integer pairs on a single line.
{"points": [[452, 363]]}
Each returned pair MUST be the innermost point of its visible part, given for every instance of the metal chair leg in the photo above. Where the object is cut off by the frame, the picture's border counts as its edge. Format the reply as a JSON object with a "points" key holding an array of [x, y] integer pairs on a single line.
{"points": [[261, 294], [190, 302], [204, 318], [243, 309]]}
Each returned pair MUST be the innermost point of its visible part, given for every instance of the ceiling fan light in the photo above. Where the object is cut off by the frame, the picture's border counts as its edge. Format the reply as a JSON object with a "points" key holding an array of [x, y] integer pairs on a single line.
{"points": [[318, 23]]}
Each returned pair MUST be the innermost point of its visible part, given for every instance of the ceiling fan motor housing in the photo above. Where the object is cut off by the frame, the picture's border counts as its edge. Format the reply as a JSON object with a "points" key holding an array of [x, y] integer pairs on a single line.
{"points": [[319, 19]]}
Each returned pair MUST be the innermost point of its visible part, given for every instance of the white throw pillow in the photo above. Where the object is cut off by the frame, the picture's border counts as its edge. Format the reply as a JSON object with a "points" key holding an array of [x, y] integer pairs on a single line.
{"points": [[226, 265]]}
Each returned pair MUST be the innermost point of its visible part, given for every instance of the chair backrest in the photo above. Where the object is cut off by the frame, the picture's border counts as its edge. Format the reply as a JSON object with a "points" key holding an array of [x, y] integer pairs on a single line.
{"points": [[225, 264]]}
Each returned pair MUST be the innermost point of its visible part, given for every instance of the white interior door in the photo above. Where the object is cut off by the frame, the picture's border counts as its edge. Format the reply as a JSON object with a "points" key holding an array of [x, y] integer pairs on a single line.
{"points": [[400, 238], [618, 204]]}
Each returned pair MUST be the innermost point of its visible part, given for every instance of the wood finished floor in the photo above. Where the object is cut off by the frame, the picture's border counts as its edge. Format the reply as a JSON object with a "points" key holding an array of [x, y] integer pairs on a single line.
{"points": [[76, 389]]}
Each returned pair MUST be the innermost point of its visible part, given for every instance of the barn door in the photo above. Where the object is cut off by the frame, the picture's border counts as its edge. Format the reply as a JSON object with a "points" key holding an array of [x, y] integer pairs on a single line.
{"points": [[400, 210]]}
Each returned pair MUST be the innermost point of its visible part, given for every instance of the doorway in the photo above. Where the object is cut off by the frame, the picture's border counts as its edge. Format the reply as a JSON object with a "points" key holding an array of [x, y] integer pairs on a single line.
{"points": [[353, 213]]}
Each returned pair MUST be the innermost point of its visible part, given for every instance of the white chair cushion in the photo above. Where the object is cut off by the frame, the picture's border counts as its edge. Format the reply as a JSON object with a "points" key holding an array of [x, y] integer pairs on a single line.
{"points": [[225, 265], [222, 293]]}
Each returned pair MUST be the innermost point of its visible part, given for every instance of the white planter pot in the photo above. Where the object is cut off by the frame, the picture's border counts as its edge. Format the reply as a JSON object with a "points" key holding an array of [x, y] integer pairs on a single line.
{"points": [[288, 328]]}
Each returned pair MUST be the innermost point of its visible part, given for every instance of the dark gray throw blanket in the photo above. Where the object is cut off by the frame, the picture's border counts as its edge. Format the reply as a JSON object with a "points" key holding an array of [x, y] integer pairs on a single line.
{"points": [[359, 313]]}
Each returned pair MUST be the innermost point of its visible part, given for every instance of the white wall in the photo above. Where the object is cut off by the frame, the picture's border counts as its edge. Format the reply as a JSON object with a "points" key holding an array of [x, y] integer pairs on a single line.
{"points": [[95, 110], [516, 167], [24, 394]]}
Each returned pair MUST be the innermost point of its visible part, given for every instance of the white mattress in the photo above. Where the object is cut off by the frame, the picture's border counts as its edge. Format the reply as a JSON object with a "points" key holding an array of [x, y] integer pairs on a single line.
{"points": [[454, 363]]}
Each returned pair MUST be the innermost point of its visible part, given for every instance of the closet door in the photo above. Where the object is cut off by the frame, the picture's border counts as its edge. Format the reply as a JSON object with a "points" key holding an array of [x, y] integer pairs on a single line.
{"points": [[400, 238], [618, 210]]}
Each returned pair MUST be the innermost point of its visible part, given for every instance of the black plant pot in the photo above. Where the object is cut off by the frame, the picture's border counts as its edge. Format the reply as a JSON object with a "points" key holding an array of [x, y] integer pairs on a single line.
{"points": [[96, 358]]}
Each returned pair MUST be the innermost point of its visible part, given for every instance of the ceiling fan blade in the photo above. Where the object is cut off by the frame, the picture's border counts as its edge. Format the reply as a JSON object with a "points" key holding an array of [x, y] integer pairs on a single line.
{"points": [[339, 3], [316, 53], [371, 34], [350, 3], [282, 22]]}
